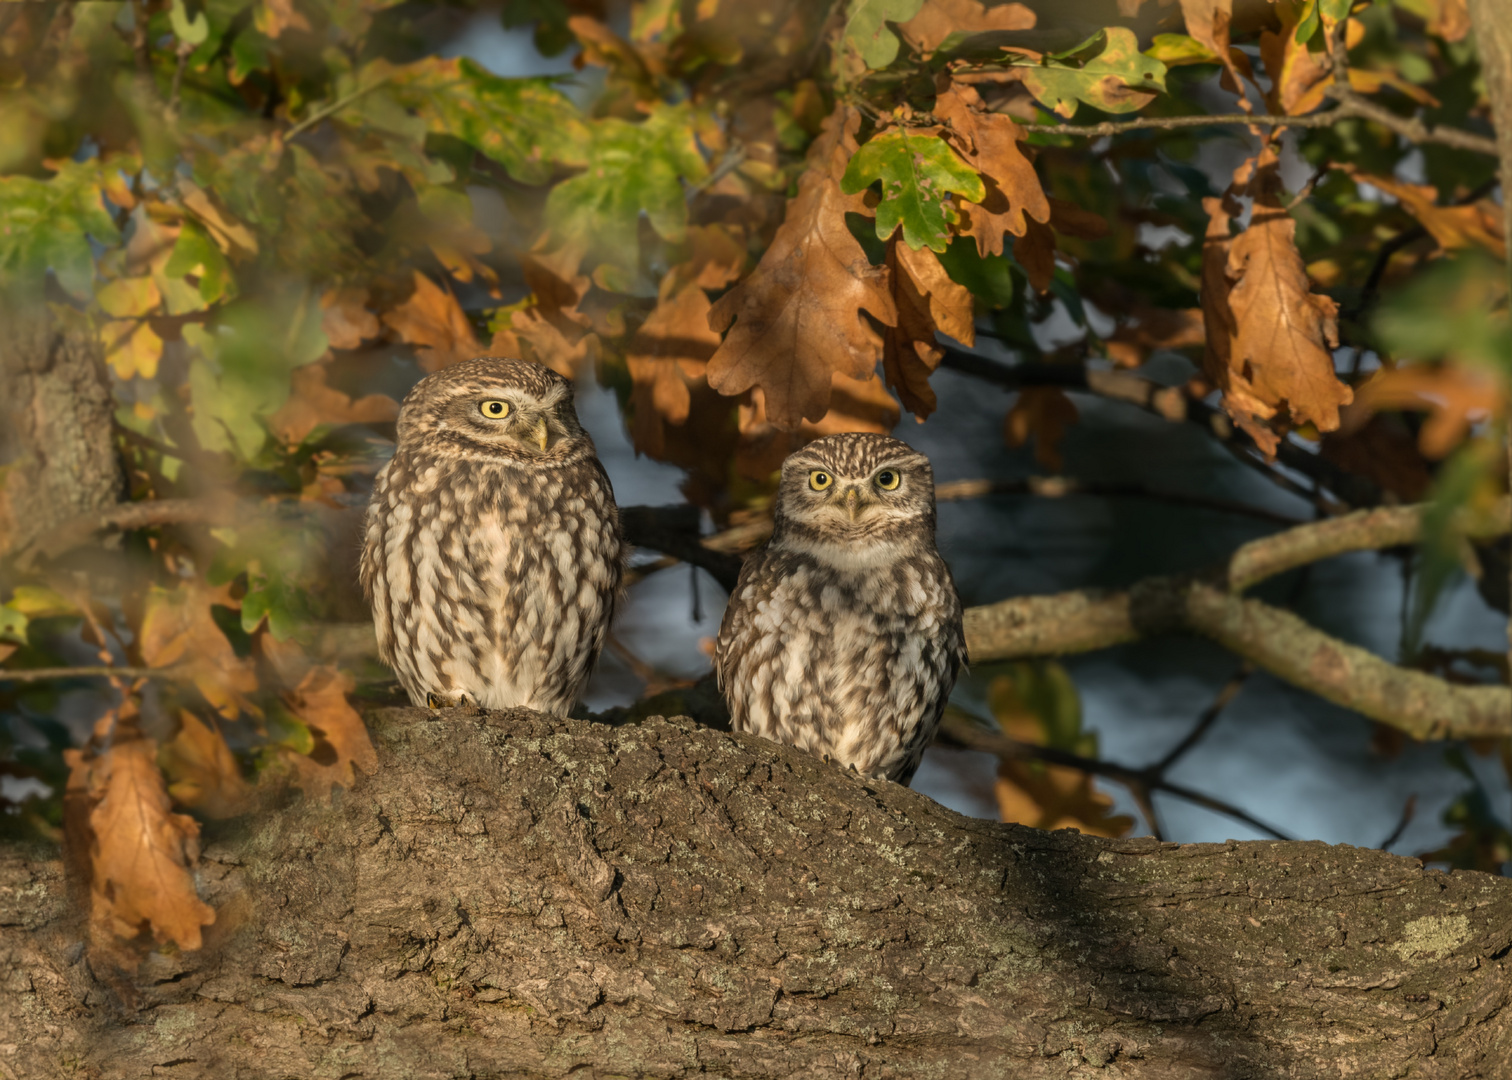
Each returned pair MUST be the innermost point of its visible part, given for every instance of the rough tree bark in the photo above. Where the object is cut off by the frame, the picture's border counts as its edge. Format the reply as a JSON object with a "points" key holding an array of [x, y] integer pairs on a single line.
{"points": [[516, 895], [57, 449]]}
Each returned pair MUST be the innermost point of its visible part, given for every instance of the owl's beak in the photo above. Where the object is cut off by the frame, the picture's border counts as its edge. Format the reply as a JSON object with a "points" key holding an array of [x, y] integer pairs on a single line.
{"points": [[852, 502], [542, 433]]}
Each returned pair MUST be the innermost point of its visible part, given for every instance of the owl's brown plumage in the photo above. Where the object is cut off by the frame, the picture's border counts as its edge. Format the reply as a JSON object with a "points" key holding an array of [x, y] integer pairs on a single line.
{"points": [[492, 557], [843, 636]]}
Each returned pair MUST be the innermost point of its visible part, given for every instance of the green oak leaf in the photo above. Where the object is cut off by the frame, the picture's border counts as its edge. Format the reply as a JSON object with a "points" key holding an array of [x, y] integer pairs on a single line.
{"points": [[631, 168], [918, 172], [12, 624], [1119, 79], [189, 31], [46, 225], [867, 32], [526, 125]]}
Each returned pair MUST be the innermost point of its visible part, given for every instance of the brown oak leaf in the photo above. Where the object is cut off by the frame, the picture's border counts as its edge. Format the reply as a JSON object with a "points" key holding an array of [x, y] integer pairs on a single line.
{"points": [[667, 358], [938, 19], [1207, 21], [178, 628], [312, 403], [1477, 224], [928, 301], [1035, 250], [989, 142], [140, 852], [796, 320], [1044, 412], [432, 319], [1150, 328], [1455, 397], [341, 739], [202, 773], [1269, 337], [856, 405], [345, 318]]}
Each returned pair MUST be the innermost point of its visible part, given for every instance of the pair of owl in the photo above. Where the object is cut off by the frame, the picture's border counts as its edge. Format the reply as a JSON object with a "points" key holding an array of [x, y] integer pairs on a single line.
{"points": [[493, 562]]}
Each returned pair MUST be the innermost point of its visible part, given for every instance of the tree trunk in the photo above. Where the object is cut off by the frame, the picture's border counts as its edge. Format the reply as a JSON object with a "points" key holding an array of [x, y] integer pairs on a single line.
{"points": [[516, 895], [57, 449]]}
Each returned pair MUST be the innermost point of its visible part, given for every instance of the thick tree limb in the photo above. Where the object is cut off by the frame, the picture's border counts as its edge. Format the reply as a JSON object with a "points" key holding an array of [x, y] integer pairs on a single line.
{"points": [[515, 895]]}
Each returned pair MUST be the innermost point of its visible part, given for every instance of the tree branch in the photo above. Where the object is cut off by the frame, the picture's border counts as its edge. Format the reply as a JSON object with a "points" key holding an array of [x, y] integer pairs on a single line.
{"points": [[1350, 106], [104, 671]]}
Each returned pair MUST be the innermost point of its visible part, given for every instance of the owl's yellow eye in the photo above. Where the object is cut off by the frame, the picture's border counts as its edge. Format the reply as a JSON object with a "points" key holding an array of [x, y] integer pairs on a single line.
{"points": [[888, 479], [819, 479], [494, 410]]}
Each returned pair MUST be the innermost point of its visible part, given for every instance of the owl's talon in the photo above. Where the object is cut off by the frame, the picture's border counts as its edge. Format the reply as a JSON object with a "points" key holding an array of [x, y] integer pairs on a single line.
{"points": [[433, 701]]}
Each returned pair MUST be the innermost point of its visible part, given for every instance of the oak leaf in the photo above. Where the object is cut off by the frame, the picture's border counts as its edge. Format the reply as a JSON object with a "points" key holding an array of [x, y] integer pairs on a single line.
{"points": [[1044, 413], [1455, 396], [178, 628], [312, 403], [918, 172], [140, 852], [1035, 250], [345, 318], [1477, 224], [1119, 79], [131, 347], [1151, 328], [1269, 337], [432, 319], [940, 19], [989, 142], [867, 30], [1207, 21], [667, 357], [856, 405], [796, 320], [202, 773], [927, 301], [341, 742]]}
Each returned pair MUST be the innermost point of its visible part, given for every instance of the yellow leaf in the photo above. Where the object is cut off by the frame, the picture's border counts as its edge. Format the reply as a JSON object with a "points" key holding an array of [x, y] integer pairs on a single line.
{"points": [[227, 233], [131, 348], [202, 773], [126, 297]]}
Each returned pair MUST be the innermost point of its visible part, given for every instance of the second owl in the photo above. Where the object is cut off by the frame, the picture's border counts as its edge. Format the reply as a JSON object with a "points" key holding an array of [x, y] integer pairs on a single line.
{"points": [[843, 636], [493, 556]]}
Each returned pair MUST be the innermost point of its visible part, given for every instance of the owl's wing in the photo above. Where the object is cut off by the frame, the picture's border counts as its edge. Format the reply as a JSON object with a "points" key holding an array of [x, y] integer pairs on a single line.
{"points": [[735, 626]]}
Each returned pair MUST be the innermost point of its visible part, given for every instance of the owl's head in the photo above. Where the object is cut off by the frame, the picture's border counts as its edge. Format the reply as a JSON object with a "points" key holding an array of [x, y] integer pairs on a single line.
{"points": [[494, 408], [856, 497]]}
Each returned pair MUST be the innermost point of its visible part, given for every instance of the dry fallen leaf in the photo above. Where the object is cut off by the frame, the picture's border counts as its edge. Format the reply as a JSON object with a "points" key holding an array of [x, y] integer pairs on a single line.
{"points": [[432, 319], [178, 628], [312, 403], [341, 739], [928, 301], [938, 19], [1269, 337], [1056, 797], [140, 852], [1043, 412], [797, 318], [989, 142], [202, 773]]}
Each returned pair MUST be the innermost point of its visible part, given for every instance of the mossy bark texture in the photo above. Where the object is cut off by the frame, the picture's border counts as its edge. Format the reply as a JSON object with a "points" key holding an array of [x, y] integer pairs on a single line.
{"points": [[512, 895]]}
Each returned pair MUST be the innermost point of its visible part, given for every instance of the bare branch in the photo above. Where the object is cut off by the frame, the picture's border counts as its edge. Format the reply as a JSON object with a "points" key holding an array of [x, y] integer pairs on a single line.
{"points": [[104, 671]]}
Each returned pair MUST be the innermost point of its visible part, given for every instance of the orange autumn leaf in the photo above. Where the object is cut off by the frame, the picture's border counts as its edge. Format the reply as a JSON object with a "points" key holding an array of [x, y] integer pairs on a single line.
{"points": [[1035, 250], [989, 141], [202, 773], [797, 321], [178, 628], [855, 405], [667, 355], [312, 403], [1477, 224], [273, 17], [140, 851], [132, 348], [230, 235], [550, 329], [1152, 328], [1269, 337], [341, 739], [1056, 797], [1454, 396], [1207, 22], [938, 19], [928, 301], [432, 319], [1043, 413], [345, 318]]}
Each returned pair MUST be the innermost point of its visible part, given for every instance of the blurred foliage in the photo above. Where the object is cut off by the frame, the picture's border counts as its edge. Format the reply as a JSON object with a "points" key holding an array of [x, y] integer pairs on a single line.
{"points": [[750, 220]]}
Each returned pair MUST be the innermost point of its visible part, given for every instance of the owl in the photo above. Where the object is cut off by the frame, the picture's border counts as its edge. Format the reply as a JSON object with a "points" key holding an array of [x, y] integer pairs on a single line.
{"points": [[492, 556], [843, 636]]}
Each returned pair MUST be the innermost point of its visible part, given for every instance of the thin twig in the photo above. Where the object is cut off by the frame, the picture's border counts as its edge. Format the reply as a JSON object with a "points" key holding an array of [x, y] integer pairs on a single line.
{"points": [[1409, 810], [1055, 487], [1226, 694], [333, 108], [959, 728], [1409, 128], [103, 671]]}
